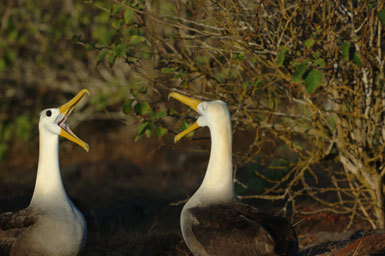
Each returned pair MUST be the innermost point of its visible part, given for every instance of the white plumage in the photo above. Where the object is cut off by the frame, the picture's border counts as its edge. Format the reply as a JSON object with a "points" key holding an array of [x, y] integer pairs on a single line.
{"points": [[51, 224]]}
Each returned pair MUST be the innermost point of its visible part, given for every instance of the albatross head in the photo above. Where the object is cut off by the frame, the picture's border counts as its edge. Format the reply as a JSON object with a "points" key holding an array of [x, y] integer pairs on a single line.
{"points": [[211, 114], [53, 120]]}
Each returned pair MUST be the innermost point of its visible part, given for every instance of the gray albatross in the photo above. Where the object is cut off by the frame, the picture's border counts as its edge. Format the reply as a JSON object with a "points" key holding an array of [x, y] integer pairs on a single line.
{"points": [[51, 224], [213, 222]]}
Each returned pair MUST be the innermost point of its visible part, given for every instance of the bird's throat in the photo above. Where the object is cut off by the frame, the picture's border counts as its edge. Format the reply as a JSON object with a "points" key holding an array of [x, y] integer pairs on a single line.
{"points": [[49, 186], [218, 180]]}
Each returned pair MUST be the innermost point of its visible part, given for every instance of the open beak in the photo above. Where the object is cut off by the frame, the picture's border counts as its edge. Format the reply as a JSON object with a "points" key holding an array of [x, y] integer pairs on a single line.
{"points": [[65, 111], [192, 103]]}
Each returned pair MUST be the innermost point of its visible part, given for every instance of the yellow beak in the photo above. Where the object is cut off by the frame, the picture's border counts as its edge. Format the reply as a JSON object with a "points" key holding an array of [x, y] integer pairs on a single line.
{"points": [[66, 110], [193, 103]]}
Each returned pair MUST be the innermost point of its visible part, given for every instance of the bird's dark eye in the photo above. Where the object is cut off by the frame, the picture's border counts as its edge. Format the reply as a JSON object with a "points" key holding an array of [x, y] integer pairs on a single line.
{"points": [[48, 113]]}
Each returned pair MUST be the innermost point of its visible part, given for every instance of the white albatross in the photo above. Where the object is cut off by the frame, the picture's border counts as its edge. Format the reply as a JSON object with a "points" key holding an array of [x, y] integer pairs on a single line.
{"points": [[51, 225], [213, 222]]}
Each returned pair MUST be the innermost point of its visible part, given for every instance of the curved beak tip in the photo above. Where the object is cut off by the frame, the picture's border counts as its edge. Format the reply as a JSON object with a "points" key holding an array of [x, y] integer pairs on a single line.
{"points": [[176, 139]]}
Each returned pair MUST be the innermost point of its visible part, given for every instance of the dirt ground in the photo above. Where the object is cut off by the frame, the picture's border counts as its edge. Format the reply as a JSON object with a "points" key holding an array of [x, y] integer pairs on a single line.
{"points": [[132, 193]]}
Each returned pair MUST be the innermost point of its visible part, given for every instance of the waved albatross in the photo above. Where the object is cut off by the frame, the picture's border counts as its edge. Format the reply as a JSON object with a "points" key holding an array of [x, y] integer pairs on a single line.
{"points": [[213, 222], [51, 224]]}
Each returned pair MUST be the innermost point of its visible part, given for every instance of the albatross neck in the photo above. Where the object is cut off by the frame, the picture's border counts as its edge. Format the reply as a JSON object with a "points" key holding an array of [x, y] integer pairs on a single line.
{"points": [[218, 181], [49, 187]]}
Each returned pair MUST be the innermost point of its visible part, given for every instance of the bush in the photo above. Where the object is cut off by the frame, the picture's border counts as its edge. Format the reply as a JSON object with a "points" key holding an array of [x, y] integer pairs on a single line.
{"points": [[311, 72]]}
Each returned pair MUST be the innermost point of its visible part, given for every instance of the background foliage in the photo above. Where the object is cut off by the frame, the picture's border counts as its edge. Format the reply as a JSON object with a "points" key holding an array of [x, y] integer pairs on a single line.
{"points": [[304, 80], [305, 77]]}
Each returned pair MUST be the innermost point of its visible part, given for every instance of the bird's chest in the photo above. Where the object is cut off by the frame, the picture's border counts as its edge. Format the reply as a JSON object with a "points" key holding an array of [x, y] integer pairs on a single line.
{"points": [[58, 234]]}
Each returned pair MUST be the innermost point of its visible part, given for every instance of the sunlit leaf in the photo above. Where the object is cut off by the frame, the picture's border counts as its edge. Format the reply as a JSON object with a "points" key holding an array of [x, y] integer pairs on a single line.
{"points": [[345, 50], [357, 59], [166, 70], [120, 50], [309, 43], [320, 62], [159, 115], [116, 9], [186, 125], [148, 133], [128, 15], [201, 60], [116, 23], [298, 73], [160, 131], [127, 106], [142, 127], [281, 56], [173, 112], [101, 55], [111, 57], [141, 108], [135, 39], [313, 80]]}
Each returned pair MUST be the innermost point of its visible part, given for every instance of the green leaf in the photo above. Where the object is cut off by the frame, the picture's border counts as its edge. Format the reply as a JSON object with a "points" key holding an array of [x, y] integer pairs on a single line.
{"points": [[298, 73], [173, 112], [160, 131], [186, 125], [320, 62], [127, 106], [7, 132], [3, 150], [128, 15], [239, 56], [313, 80], [166, 70], [3, 65], [345, 50], [142, 108], [111, 57], [11, 55], [371, 4], [116, 23], [75, 39], [309, 43], [349, 53], [101, 55], [159, 115], [90, 46], [142, 127], [148, 133], [23, 127], [143, 90], [135, 39], [201, 60], [381, 16], [120, 50], [116, 9], [357, 59], [281, 56]]}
